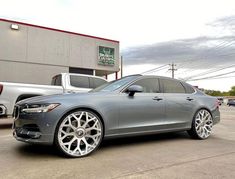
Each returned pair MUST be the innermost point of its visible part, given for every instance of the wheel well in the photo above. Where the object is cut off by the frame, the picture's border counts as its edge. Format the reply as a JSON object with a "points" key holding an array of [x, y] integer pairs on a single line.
{"points": [[204, 109], [25, 96], [83, 108]]}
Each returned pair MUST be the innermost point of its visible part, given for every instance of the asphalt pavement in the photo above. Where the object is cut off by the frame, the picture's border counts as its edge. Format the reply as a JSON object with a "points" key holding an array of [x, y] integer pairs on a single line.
{"points": [[172, 155]]}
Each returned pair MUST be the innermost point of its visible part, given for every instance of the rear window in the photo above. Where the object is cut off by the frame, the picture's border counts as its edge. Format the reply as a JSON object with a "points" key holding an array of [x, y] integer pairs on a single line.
{"points": [[79, 81], [57, 80], [188, 88], [172, 86]]}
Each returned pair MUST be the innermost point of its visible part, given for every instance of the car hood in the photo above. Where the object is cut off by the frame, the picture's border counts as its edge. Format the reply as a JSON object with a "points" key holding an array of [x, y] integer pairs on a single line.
{"points": [[60, 97]]}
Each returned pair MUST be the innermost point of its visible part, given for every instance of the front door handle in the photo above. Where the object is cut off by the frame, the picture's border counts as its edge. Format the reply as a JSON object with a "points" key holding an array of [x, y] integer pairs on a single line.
{"points": [[157, 98], [189, 99]]}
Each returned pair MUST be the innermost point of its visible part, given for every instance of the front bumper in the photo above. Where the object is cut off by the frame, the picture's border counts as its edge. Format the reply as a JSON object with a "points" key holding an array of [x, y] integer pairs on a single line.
{"points": [[38, 128]]}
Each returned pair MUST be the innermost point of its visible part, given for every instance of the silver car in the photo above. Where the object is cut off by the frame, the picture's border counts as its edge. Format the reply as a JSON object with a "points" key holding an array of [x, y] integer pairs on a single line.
{"points": [[134, 105]]}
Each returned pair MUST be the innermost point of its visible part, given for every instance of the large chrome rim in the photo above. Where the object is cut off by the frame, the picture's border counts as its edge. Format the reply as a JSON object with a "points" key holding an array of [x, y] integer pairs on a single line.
{"points": [[79, 133], [203, 124]]}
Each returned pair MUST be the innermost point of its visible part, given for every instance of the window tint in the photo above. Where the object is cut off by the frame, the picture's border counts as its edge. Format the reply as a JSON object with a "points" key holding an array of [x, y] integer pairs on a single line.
{"points": [[172, 86], [150, 85], [96, 82], [79, 81], [188, 88], [57, 80], [114, 85]]}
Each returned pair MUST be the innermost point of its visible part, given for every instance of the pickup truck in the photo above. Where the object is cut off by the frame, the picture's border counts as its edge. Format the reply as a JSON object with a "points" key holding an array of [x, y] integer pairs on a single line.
{"points": [[11, 93]]}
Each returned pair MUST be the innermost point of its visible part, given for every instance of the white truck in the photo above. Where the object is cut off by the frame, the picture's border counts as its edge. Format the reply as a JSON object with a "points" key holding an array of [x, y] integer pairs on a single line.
{"points": [[11, 93]]}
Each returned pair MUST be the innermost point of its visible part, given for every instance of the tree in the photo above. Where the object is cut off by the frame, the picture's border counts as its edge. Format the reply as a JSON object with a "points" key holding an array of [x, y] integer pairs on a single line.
{"points": [[232, 91]]}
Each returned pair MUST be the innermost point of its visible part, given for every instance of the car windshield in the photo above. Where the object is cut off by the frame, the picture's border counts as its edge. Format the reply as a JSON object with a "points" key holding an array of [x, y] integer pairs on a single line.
{"points": [[114, 85]]}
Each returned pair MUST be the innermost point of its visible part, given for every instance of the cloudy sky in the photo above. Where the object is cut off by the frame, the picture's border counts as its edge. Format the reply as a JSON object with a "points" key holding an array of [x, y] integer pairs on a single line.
{"points": [[197, 35]]}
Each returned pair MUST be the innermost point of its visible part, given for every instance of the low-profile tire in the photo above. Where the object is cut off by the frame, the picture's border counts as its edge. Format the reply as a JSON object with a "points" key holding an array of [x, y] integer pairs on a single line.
{"points": [[201, 125], [79, 133]]}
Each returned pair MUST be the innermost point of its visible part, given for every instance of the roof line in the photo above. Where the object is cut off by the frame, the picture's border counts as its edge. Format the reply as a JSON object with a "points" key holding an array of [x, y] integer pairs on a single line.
{"points": [[58, 30]]}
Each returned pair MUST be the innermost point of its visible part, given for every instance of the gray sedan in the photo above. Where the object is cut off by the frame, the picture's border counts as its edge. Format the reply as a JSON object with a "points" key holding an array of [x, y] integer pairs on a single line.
{"points": [[134, 105]]}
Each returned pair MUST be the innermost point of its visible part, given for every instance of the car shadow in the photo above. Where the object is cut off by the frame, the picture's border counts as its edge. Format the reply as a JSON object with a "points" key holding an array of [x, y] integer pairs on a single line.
{"points": [[144, 139], [6, 126], [38, 151]]}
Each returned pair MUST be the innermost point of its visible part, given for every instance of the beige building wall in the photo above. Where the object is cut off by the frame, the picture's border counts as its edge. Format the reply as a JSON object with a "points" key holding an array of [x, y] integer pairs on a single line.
{"points": [[29, 73], [35, 54]]}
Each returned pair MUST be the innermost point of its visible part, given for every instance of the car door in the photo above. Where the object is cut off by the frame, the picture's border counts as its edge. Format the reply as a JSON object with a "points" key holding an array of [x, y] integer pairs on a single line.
{"points": [[145, 111], [180, 103]]}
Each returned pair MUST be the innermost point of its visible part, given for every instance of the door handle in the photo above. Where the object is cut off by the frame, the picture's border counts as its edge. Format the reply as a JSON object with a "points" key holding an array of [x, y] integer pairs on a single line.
{"points": [[189, 99], [157, 98], [70, 91]]}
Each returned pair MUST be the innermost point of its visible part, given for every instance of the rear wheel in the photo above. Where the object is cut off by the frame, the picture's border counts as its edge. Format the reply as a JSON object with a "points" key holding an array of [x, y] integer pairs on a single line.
{"points": [[202, 125], [79, 133]]}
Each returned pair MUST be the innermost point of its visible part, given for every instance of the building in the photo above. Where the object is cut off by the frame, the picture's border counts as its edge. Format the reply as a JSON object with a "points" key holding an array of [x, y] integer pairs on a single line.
{"points": [[34, 54]]}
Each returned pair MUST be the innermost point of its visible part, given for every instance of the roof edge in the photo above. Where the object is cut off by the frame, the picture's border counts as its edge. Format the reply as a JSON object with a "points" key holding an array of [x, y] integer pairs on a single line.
{"points": [[57, 30]]}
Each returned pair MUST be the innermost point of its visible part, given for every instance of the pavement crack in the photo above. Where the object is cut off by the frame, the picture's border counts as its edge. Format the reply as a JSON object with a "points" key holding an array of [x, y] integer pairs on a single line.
{"points": [[172, 165]]}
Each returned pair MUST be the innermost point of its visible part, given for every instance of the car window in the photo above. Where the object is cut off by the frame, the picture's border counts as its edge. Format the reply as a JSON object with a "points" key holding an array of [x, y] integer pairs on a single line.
{"points": [[79, 81], [189, 89], [116, 84], [150, 85], [172, 86], [96, 82], [57, 80]]}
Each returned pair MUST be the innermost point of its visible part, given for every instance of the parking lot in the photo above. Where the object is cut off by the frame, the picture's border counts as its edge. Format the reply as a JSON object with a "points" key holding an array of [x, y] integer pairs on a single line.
{"points": [[172, 155]]}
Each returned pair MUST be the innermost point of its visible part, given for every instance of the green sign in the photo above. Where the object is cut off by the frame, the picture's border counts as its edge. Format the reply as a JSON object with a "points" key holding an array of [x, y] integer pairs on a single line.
{"points": [[106, 56]]}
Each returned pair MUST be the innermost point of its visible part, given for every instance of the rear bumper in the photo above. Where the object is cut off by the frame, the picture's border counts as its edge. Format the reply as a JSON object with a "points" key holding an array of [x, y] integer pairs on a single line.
{"points": [[216, 116]]}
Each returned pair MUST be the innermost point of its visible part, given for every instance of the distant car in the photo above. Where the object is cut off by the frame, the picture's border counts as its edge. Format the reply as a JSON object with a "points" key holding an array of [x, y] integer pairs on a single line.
{"points": [[220, 100], [231, 102], [131, 106]]}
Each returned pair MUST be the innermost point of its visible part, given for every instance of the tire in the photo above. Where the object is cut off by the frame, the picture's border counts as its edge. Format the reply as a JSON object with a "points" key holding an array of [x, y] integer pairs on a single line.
{"points": [[79, 133], [201, 125]]}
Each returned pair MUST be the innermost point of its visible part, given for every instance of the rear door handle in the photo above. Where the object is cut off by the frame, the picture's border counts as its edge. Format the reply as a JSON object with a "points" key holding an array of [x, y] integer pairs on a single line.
{"points": [[189, 99], [157, 98]]}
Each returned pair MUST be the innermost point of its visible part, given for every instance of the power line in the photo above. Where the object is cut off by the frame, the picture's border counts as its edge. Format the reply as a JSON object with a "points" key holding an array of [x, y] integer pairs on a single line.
{"points": [[218, 48], [209, 77], [223, 77], [209, 72], [154, 69]]}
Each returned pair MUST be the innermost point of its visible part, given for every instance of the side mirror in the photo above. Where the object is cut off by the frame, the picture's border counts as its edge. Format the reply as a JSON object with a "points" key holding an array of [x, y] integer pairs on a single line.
{"points": [[134, 89]]}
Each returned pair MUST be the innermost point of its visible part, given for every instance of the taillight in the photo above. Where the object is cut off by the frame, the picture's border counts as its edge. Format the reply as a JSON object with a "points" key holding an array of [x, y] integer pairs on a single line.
{"points": [[1, 88]]}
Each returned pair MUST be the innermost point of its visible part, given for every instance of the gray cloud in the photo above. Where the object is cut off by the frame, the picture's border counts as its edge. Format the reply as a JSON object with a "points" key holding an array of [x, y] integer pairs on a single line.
{"points": [[225, 22], [202, 52]]}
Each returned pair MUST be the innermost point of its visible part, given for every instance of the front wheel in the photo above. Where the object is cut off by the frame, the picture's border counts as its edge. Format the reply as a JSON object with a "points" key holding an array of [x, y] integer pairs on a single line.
{"points": [[202, 125], [79, 133]]}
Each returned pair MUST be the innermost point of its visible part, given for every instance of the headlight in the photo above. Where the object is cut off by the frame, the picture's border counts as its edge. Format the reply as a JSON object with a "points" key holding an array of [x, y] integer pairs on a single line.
{"points": [[39, 108]]}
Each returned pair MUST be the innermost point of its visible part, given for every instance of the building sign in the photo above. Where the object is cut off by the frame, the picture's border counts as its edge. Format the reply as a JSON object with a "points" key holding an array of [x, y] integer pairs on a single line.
{"points": [[106, 56]]}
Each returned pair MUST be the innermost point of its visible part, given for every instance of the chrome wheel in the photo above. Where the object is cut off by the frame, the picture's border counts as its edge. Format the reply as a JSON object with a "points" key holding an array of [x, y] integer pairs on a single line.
{"points": [[203, 124], [79, 133]]}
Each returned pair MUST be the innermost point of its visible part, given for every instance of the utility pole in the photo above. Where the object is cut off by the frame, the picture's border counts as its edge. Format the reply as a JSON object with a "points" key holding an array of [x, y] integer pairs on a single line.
{"points": [[172, 69], [121, 67]]}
